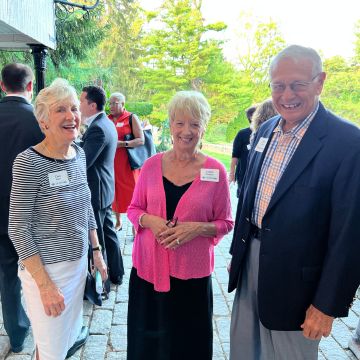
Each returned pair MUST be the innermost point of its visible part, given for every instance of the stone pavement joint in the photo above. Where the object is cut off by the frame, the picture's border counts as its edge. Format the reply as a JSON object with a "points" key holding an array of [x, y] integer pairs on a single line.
{"points": [[108, 323]]}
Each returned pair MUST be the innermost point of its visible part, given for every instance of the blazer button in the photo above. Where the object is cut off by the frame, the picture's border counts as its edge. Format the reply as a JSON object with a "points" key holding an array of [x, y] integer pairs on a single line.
{"points": [[243, 240]]}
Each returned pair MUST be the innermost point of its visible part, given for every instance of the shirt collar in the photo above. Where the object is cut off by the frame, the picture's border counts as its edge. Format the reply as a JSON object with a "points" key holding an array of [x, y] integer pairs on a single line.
{"points": [[298, 130], [18, 95], [91, 118]]}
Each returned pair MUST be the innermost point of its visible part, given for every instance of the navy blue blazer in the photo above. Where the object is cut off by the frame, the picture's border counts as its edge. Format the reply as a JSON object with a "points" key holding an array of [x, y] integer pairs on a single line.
{"points": [[99, 143], [310, 245], [18, 131]]}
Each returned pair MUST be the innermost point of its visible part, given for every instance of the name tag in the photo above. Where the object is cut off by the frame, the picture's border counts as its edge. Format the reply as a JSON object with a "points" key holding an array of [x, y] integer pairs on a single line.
{"points": [[120, 124], [260, 146], [209, 175], [59, 178]]}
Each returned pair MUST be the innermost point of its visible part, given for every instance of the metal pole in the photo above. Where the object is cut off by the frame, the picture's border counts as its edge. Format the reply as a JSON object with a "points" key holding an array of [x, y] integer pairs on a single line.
{"points": [[39, 53]]}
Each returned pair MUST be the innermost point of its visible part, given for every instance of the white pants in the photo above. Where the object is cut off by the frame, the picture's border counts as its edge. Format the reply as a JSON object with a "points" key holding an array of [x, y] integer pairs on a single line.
{"points": [[54, 336]]}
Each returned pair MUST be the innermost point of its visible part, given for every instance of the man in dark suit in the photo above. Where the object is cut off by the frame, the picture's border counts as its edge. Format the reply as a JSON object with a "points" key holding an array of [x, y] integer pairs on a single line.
{"points": [[18, 130], [296, 240], [99, 143]]}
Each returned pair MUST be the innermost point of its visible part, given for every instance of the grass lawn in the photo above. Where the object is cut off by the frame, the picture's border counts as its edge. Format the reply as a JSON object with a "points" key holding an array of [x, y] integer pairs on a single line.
{"points": [[223, 158]]}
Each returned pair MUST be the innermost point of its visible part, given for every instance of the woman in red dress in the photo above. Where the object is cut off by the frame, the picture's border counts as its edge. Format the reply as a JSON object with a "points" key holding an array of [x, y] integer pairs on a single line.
{"points": [[125, 178]]}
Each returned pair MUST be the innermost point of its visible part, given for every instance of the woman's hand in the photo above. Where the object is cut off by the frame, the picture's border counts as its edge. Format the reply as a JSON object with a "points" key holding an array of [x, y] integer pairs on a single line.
{"points": [[155, 223], [99, 264], [182, 233], [52, 299]]}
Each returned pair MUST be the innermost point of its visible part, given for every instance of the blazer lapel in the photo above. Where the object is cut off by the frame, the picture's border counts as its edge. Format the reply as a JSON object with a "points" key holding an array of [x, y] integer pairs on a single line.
{"points": [[309, 146]]}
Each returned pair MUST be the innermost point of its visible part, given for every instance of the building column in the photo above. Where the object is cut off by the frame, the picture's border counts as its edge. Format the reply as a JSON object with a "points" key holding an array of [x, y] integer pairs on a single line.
{"points": [[39, 53]]}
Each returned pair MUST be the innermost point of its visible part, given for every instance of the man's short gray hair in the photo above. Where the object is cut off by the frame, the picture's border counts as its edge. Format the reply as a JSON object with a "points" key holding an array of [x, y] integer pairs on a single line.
{"points": [[57, 92], [119, 96], [190, 102], [296, 53]]}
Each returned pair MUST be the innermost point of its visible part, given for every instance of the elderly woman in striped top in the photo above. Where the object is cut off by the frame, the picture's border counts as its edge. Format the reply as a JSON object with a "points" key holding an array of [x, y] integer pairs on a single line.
{"points": [[50, 221]]}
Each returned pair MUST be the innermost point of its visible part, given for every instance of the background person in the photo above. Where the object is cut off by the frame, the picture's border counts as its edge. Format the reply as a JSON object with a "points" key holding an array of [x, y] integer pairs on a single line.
{"points": [[50, 219], [181, 210], [125, 178], [18, 130], [99, 145], [264, 111], [296, 242], [240, 152]]}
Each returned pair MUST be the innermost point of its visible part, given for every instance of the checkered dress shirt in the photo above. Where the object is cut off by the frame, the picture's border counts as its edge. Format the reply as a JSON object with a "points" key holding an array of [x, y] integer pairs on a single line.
{"points": [[277, 158]]}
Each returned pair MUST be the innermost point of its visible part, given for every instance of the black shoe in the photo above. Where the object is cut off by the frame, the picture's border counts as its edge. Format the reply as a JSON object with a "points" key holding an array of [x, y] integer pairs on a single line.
{"points": [[117, 281], [20, 348], [80, 341]]}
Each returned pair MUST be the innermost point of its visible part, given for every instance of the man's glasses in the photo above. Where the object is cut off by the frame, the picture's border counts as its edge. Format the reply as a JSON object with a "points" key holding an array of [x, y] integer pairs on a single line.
{"points": [[296, 86]]}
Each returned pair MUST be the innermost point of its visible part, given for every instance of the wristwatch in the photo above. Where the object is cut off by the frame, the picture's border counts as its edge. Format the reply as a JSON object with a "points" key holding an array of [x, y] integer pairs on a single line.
{"points": [[96, 248], [126, 144]]}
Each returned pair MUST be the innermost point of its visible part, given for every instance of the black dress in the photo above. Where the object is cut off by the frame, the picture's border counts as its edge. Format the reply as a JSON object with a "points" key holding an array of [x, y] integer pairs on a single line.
{"points": [[241, 151], [174, 325]]}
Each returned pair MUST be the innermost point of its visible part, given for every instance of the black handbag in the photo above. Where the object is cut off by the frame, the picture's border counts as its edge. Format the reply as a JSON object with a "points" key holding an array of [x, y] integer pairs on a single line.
{"points": [[138, 155], [90, 286]]}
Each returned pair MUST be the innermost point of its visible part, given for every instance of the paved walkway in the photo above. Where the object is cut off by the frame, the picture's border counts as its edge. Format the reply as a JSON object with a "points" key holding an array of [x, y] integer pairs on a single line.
{"points": [[108, 323]]}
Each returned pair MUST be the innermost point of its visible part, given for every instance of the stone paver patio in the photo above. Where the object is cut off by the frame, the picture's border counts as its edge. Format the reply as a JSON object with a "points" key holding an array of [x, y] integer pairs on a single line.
{"points": [[108, 323]]}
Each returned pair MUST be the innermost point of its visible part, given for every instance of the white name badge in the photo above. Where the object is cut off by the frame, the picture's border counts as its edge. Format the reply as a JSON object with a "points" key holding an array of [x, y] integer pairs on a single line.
{"points": [[209, 175], [120, 124], [59, 178], [260, 146]]}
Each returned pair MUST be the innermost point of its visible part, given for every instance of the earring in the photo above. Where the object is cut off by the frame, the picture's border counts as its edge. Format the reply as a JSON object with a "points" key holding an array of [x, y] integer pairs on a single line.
{"points": [[46, 127], [200, 145]]}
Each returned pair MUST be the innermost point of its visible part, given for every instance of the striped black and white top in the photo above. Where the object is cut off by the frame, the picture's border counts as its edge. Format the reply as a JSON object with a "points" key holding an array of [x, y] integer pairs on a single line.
{"points": [[50, 207]]}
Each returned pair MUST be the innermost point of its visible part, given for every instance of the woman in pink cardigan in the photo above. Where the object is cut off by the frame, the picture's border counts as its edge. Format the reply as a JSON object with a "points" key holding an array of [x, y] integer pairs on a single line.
{"points": [[181, 210]]}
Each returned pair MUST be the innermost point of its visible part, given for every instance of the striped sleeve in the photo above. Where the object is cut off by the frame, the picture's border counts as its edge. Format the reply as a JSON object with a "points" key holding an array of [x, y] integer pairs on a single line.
{"points": [[25, 187]]}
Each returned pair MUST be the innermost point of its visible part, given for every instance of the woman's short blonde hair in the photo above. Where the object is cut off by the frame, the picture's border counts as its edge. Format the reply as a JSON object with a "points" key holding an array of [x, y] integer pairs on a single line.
{"points": [[58, 91], [190, 102]]}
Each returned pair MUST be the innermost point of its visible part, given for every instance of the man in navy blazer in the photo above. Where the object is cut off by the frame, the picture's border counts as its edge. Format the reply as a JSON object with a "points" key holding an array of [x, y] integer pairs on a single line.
{"points": [[99, 143], [295, 250], [18, 130]]}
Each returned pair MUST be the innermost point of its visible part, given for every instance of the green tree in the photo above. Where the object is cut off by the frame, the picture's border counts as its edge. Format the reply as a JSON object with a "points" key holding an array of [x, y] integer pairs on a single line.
{"points": [[76, 34], [177, 52], [120, 52], [261, 41]]}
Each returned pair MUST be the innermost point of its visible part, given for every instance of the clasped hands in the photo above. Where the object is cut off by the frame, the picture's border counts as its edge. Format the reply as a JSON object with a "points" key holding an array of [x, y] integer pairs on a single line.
{"points": [[171, 237]]}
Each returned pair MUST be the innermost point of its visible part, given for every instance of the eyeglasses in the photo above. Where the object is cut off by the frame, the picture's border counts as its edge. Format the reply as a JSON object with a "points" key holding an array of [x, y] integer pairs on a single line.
{"points": [[172, 222], [114, 103], [296, 86]]}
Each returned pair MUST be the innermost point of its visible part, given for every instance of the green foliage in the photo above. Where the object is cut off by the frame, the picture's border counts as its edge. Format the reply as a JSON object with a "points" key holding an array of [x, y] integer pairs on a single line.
{"points": [[341, 91], [120, 52], [177, 54], [216, 133], [142, 109], [76, 34]]}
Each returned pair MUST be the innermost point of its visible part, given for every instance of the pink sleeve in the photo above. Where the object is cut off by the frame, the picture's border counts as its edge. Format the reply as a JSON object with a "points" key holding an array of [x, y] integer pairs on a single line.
{"points": [[222, 208], [138, 203]]}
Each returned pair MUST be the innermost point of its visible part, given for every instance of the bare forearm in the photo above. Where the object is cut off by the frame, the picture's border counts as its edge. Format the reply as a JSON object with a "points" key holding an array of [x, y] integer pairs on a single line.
{"points": [[35, 267], [131, 143]]}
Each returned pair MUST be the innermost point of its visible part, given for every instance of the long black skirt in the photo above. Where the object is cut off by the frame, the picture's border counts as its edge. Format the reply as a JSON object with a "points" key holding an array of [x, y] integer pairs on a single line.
{"points": [[176, 325]]}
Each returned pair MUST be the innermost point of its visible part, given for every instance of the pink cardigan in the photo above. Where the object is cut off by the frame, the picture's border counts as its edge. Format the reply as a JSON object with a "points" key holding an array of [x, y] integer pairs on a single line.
{"points": [[204, 201]]}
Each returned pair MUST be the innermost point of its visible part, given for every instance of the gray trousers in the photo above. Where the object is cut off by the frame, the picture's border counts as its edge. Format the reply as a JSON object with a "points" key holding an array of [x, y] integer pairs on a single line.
{"points": [[249, 339]]}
